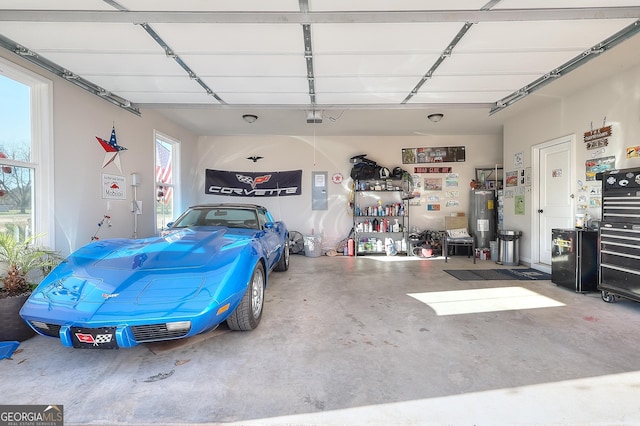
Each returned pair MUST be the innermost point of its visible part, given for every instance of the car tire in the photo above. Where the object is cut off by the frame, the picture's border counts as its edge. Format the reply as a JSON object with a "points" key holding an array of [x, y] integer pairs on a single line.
{"points": [[248, 313], [283, 262]]}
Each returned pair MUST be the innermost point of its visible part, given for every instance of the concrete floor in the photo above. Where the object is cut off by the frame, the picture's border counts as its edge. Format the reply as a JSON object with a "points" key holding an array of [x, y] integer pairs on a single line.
{"points": [[342, 342]]}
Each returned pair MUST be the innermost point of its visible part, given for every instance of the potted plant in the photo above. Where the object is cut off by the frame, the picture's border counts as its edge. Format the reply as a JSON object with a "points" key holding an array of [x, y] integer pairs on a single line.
{"points": [[21, 262]]}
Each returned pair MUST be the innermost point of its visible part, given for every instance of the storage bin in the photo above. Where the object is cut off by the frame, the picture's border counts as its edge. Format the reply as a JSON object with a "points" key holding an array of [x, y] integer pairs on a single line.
{"points": [[493, 246], [312, 246]]}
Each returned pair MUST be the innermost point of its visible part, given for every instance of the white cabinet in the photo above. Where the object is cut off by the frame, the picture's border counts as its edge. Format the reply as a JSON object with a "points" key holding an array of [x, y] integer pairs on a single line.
{"points": [[380, 216]]}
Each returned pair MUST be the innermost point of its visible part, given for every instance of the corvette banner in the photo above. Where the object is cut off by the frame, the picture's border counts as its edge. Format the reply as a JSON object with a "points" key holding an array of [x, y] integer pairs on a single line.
{"points": [[250, 184]]}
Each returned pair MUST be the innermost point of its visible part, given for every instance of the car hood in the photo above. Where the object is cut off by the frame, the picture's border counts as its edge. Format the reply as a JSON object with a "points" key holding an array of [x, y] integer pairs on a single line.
{"points": [[176, 268]]}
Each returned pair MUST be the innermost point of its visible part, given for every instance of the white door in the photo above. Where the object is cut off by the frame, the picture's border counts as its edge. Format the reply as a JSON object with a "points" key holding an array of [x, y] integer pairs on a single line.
{"points": [[555, 200]]}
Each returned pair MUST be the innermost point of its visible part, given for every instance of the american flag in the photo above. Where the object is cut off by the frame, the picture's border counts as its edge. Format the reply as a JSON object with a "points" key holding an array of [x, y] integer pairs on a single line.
{"points": [[163, 170]]}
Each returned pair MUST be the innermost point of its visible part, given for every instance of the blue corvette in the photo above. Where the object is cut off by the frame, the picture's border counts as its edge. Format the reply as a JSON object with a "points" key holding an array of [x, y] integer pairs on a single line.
{"points": [[208, 267]]}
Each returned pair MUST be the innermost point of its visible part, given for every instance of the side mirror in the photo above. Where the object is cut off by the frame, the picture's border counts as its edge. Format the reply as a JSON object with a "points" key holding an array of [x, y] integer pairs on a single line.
{"points": [[169, 225], [269, 225]]}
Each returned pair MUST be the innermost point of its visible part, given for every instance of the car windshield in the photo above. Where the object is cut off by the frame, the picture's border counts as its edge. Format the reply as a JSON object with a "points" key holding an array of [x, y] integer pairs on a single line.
{"points": [[219, 216]]}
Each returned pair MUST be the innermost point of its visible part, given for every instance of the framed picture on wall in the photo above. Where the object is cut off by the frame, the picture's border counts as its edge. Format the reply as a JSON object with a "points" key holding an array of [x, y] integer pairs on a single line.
{"points": [[431, 154]]}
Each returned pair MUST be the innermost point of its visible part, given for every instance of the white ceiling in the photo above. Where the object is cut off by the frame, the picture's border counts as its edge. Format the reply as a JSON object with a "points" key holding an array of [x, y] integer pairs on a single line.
{"points": [[367, 59]]}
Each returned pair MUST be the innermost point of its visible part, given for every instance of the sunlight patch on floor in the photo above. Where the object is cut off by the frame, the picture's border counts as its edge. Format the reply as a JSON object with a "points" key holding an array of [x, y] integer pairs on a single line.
{"points": [[557, 403], [472, 301]]}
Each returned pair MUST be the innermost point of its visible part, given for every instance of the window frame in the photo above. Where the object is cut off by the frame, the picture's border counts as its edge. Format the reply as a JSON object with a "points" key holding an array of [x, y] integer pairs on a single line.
{"points": [[41, 100], [175, 177]]}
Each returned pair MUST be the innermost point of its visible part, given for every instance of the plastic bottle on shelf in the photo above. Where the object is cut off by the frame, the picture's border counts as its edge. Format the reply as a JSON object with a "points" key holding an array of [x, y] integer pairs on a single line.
{"points": [[376, 225], [379, 245], [396, 226]]}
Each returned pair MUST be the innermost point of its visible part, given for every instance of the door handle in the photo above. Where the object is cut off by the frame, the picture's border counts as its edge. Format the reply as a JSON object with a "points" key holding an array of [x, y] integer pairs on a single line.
{"points": [[539, 210]]}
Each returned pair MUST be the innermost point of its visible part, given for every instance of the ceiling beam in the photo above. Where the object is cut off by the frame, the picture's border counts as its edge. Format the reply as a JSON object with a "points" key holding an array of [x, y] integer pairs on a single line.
{"points": [[443, 56], [69, 76], [567, 67], [475, 16], [323, 107]]}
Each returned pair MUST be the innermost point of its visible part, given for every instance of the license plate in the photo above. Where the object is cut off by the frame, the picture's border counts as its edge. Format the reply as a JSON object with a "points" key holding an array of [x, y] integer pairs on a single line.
{"points": [[94, 338]]}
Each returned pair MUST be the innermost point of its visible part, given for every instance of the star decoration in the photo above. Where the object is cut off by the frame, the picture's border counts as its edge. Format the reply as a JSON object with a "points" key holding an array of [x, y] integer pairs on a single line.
{"points": [[112, 150]]}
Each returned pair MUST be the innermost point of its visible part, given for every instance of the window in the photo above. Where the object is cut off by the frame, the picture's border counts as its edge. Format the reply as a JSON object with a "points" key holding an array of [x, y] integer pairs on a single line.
{"points": [[25, 152], [167, 151]]}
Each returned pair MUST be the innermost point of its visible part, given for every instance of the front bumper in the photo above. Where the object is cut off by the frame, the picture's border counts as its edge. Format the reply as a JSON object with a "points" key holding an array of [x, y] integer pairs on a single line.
{"points": [[123, 336]]}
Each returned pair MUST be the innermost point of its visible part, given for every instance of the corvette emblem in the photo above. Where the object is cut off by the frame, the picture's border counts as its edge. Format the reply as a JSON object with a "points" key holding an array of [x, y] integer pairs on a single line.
{"points": [[110, 296], [253, 182], [88, 338]]}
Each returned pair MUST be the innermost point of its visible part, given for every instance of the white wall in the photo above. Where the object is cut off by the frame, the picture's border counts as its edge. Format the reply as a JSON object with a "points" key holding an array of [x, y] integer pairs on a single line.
{"points": [[331, 154], [617, 98], [78, 117]]}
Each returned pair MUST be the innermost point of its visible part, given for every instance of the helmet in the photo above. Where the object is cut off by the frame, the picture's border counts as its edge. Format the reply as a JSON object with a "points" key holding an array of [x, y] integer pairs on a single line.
{"points": [[398, 172], [384, 173]]}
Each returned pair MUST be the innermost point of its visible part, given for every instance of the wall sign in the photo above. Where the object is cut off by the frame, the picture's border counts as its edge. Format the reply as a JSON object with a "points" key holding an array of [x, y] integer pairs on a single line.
{"points": [[633, 151], [433, 184], [518, 160], [452, 154], [432, 169], [251, 184], [598, 165], [597, 138], [114, 187]]}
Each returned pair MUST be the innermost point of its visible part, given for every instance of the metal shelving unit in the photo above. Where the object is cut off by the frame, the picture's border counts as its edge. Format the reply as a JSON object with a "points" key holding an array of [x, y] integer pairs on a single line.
{"points": [[380, 212]]}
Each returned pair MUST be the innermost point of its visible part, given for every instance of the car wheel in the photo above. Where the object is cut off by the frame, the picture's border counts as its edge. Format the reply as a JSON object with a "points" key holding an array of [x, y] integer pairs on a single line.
{"points": [[283, 263], [608, 297], [249, 312]]}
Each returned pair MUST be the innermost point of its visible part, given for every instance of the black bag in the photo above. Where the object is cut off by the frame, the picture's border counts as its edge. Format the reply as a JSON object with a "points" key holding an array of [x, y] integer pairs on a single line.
{"points": [[361, 159], [364, 171]]}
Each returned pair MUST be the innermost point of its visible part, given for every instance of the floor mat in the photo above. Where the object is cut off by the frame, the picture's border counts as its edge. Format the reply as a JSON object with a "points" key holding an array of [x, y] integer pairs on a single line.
{"points": [[526, 274], [477, 274], [497, 274]]}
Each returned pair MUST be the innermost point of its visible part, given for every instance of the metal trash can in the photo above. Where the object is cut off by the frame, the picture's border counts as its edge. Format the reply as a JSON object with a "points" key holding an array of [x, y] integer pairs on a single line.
{"points": [[312, 246], [508, 247]]}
